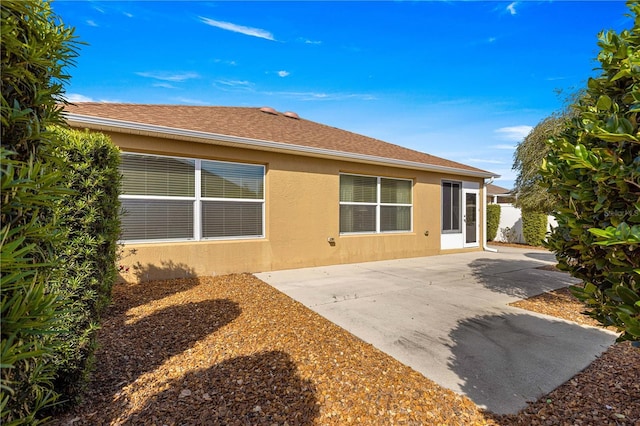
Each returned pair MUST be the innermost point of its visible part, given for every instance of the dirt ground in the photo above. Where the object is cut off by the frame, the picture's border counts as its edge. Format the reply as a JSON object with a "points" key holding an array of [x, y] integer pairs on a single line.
{"points": [[231, 350]]}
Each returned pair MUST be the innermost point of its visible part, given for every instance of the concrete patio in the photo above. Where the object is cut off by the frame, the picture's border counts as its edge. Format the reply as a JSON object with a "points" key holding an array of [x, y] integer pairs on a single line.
{"points": [[448, 318]]}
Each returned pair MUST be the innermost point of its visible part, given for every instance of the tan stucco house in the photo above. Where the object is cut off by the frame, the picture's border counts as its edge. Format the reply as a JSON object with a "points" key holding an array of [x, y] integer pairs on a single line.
{"points": [[213, 190]]}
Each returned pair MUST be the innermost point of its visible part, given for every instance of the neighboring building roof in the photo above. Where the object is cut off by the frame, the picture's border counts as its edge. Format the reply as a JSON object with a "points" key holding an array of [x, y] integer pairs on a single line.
{"points": [[259, 128], [497, 190]]}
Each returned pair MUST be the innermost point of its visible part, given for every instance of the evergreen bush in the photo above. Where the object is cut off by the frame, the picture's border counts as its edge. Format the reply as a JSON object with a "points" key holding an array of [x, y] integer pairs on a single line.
{"points": [[86, 269], [493, 221], [534, 227], [593, 171]]}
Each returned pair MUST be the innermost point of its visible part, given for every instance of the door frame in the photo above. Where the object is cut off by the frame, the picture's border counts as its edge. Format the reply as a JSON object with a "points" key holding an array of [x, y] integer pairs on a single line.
{"points": [[476, 192]]}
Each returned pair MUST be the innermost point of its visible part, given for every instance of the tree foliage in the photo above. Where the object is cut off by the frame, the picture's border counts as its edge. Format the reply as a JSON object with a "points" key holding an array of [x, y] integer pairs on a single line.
{"points": [[593, 171], [35, 49], [527, 158]]}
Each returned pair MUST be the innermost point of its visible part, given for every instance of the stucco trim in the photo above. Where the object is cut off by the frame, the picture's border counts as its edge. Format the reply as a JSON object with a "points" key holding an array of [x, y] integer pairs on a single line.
{"points": [[122, 126]]}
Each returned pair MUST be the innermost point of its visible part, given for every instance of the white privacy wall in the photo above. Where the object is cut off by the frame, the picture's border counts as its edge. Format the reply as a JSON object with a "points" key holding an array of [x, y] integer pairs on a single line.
{"points": [[511, 217]]}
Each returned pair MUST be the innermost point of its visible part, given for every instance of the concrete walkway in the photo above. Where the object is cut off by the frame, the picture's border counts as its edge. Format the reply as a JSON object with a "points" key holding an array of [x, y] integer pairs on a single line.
{"points": [[447, 317]]}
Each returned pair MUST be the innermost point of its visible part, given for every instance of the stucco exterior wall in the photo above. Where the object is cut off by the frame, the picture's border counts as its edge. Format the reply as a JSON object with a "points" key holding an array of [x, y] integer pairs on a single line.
{"points": [[301, 213]]}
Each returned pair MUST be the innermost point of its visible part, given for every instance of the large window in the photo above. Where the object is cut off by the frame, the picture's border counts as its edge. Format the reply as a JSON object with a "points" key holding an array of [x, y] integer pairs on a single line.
{"points": [[371, 204], [170, 198], [451, 192]]}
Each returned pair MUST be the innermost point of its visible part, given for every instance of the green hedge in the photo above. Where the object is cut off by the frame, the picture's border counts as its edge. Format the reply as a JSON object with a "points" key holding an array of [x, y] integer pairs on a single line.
{"points": [[87, 267], [534, 227], [493, 221]]}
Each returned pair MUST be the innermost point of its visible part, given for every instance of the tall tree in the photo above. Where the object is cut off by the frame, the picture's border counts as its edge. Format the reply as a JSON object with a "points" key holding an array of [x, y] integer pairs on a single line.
{"points": [[527, 158], [593, 171]]}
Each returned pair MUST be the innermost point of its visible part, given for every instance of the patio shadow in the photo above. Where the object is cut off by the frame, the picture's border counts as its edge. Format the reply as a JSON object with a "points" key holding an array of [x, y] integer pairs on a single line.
{"points": [[518, 278], [506, 360], [541, 255]]}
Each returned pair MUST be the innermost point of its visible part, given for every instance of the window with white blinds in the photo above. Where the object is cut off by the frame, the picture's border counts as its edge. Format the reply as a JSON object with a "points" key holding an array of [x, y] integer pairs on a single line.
{"points": [[170, 198], [372, 204]]}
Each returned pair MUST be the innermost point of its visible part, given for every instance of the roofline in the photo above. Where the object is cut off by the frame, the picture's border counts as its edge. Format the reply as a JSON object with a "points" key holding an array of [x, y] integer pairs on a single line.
{"points": [[113, 124]]}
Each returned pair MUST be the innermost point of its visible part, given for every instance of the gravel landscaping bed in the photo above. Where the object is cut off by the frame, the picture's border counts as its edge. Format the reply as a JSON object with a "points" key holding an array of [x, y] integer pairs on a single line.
{"points": [[232, 350]]}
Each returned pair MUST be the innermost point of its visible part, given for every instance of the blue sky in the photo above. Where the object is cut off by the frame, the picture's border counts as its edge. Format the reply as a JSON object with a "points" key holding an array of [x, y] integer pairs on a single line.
{"points": [[461, 80]]}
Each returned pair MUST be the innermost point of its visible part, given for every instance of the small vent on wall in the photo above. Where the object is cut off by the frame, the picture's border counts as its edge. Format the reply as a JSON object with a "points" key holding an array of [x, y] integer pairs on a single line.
{"points": [[269, 110], [291, 114]]}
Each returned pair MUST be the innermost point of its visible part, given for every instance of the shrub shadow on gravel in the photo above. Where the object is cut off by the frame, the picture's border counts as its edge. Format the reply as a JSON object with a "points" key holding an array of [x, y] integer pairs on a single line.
{"points": [[506, 360], [133, 293], [140, 344], [261, 389], [145, 344]]}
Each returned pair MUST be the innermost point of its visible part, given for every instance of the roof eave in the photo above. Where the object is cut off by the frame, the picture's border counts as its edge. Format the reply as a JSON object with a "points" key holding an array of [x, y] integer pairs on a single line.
{"points": [[108, 124]]}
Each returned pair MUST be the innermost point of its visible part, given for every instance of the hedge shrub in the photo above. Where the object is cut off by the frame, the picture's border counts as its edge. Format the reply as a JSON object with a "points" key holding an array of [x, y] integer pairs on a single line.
{"points": [[493, 221], [87, 262], [35, 48], [534, 227]]}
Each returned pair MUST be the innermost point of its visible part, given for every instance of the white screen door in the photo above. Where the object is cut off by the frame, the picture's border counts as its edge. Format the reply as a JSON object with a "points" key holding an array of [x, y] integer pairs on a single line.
{"points": [[470, 211]]}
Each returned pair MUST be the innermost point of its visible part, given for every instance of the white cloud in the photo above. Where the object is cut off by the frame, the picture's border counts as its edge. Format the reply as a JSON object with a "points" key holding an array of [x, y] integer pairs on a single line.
{"points": [[190, 101], [491, 39], [482, 160], [235, 83], [166, 76], [321, 96], [225, 62], [283, 73], [512, 8], [307, 41], [164, 85], [127, 14], [76, 97], [253, 32], [514, 133], [91, 23], [503, 146]]}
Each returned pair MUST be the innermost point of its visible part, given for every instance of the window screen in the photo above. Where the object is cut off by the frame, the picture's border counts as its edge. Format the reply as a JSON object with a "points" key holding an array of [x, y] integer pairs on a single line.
{"points": [[451, 207]]}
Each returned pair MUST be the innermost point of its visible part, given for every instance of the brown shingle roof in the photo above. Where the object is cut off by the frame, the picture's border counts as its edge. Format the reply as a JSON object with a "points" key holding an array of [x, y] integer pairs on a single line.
{"points": [[497, 190], [253, 123]]}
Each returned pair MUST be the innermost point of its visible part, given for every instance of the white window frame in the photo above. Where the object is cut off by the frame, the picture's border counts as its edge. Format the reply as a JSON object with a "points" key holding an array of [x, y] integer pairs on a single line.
{"points": [[197, 200], [378, 205]]}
